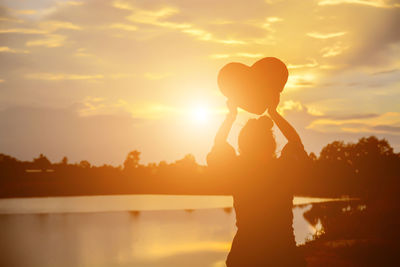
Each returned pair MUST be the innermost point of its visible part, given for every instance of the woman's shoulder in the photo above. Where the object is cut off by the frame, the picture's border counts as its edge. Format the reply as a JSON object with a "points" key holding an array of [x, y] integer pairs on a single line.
{"points": [[293, 151], [222, 153]]}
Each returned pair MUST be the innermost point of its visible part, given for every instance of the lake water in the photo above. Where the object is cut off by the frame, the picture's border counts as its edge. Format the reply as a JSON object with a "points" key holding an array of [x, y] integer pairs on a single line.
{"points": [[124, 230]]}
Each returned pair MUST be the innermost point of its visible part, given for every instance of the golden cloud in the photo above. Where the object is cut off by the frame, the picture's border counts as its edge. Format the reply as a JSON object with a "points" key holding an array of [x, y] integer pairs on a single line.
{"points": [[290, 105], [266, 24], [99, 105], [357, 125], [6, 49], [156, 76], [14, 20], [157, 18], [152, 110], [230, 41], [54, 25], [81, 52], [122, 26], [334, 50], [201, 34], [220, 56], [74, 3], [312, 64], [297, 81], [236, 55], [23, 31], [274, 19], [122, 5], [24, 11], [62, 76], [151, 17], [155, 111], [318, 35], [117, 76], [51, 40], [371, 3]]}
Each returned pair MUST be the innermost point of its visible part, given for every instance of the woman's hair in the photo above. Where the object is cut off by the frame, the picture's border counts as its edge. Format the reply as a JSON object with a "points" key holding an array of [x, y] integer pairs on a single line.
{"points": [[256, 138]]}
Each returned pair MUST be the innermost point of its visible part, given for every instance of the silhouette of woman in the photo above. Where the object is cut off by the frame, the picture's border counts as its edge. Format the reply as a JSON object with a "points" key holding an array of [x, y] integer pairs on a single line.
{"points": [[262, 187]]}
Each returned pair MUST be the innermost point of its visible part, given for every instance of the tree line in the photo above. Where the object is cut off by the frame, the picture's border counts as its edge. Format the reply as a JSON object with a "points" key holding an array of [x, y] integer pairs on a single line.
{"points": [[365, 169]]}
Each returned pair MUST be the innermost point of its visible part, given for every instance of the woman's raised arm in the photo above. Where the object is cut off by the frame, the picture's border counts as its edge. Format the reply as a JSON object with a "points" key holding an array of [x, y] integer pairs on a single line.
{"points": [[226, 125], [284, 126]]}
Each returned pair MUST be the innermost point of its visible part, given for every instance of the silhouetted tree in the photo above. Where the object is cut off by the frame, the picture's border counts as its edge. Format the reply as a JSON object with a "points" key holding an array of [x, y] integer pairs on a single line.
{"points": [[312, 156], [84, 164], [365, 167], [132, 160], [41, 163], [64, 161]]}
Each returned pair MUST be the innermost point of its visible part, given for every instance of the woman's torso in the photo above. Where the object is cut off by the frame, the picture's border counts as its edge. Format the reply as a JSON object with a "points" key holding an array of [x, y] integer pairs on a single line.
{"points": [[263, 200]]}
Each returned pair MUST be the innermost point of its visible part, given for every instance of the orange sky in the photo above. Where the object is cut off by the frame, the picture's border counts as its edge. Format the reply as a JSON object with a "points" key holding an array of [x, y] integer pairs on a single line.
{"points": [[94, 79]]}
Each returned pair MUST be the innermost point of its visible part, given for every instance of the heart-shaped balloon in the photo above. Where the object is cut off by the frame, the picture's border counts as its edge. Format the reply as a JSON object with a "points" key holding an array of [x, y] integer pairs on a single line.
{"points": [[253, 88]]}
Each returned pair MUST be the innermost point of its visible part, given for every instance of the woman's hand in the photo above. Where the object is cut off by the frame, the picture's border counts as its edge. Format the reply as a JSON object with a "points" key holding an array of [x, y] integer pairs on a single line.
{"points": [[287, 130], [274, 104], [226, 125]]}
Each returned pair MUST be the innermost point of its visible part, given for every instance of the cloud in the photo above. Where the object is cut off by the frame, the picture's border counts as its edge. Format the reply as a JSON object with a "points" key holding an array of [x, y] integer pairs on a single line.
{"points": [[221, 56], [335, 50], [201, 34], [122, 75], [312, 64], [23, 31], [153, 110], [5, 49], [290, 105], [267, 23], [82, 52], [274, 19], [352, 116], [51, 40], [46, 28], [371, 3], [390, 71], [372, 123], [151, 17], [100, 106], [122, 5], [24, 11], [318, 35], [53, 25], [237, 55], [156, 76], [317, 130], [230, 41], [158, 18], [13, 20], [62, 76], [122, 26], [296, 81], [74, 3], [387, 128]]}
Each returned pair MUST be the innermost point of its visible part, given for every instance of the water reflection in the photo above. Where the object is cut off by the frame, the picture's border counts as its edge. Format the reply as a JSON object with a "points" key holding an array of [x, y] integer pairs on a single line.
{"points": [[195, 237], [154, 238]]}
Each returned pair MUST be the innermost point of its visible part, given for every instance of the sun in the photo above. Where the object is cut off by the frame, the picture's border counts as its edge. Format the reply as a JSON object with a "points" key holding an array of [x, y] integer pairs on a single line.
{"points": [[200, 115]]}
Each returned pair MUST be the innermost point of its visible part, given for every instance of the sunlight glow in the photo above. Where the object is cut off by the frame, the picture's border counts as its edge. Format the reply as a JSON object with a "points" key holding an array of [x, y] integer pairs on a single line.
{"points": [[200, 114]]}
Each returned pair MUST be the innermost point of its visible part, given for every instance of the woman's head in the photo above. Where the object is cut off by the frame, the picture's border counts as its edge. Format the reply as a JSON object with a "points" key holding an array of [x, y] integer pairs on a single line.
{"points": [[256, 140]]}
